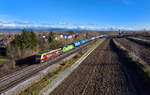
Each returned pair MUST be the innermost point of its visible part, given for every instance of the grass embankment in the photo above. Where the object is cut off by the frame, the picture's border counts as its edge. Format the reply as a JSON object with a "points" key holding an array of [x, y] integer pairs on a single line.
{"points": [[3, 62], [39, 85], [142, 67], [3, 59]]}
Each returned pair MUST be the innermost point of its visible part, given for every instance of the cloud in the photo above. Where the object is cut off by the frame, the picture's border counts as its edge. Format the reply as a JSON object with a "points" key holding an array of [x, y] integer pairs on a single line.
{"points": [[77, 24], [27, 24], [63, 23], [22, 22], [4, 22], [88, 28], [126, 28], [11, 26], [92, 24]]}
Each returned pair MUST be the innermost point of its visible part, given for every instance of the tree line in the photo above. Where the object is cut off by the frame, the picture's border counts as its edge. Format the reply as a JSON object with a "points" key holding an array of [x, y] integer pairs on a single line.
{"points": [[28, 44]]}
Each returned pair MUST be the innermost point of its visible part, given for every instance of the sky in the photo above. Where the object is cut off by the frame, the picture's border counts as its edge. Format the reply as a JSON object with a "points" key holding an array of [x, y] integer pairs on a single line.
{"points": [[130, 14]]}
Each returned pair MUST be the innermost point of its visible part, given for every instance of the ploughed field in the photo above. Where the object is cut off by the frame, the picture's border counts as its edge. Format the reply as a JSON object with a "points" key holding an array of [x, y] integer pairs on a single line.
{"points": [[102, 73], [146, 38], [139, 50]]}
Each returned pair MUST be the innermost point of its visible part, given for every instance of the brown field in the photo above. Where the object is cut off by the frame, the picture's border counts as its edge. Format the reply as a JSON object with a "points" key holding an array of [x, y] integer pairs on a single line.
{"points": [[146, 38], [139, 50]]}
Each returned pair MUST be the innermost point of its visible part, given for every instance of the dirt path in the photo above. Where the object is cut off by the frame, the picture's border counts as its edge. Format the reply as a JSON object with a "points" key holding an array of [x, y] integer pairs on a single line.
{"points": [[100, 74]]}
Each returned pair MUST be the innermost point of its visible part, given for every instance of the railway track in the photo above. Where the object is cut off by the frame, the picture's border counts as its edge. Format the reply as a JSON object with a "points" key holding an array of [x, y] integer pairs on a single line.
{"points": [[11, 80]]}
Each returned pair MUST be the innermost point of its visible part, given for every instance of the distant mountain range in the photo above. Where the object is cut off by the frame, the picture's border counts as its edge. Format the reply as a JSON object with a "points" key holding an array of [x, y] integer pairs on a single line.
{"points": [[35, 29], [56, 29], [41, 29]]}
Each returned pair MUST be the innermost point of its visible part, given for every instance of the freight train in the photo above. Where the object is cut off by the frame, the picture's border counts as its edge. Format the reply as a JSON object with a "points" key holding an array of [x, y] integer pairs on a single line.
{"points": [[43, 57]]}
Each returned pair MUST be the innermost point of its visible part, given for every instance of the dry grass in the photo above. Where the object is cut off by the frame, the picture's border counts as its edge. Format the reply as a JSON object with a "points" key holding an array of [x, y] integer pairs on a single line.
{"points": [[3, 59], [4, 63]]}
